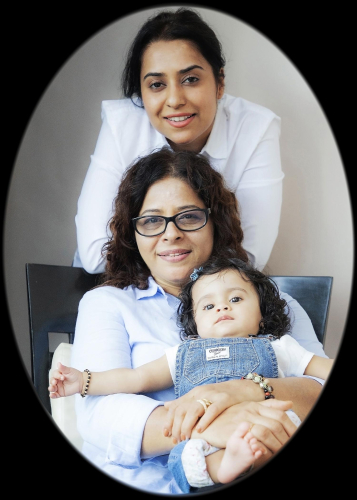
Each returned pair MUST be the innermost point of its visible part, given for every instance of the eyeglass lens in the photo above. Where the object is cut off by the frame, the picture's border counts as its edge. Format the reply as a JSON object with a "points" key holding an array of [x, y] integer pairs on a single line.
{"points": [[187, 221]]}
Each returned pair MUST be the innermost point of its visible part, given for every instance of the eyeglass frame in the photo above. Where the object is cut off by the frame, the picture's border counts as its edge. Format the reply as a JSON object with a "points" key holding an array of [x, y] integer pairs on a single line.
{"points": [[207, 211]]}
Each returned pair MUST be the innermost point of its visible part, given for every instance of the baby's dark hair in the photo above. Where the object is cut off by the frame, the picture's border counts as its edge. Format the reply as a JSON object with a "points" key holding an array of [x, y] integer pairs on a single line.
{"points": [[274, 309]]}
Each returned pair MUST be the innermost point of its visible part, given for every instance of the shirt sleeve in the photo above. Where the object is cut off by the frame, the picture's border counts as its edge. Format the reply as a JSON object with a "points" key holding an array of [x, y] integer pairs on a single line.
{"points": [[292, 357], [302, 330], [95, 203], [301, 327], [115, 423], [259, 195]]}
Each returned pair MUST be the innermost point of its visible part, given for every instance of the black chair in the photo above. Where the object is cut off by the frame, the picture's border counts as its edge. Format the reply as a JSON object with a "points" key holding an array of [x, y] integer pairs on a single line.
{"points": [[313, 294], [54, 293]]}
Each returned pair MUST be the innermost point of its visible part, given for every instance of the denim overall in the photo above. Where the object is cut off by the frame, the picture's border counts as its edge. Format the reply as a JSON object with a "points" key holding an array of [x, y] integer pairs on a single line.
{"points": [[207, 361]]}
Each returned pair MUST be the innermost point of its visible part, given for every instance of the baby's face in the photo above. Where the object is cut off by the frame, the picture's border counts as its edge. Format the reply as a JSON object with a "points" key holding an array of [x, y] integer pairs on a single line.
{"points": [[225, 306]]}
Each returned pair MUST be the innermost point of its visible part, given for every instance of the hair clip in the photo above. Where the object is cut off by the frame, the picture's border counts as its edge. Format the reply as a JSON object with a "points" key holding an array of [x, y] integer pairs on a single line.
{"points": [[195, 272]]}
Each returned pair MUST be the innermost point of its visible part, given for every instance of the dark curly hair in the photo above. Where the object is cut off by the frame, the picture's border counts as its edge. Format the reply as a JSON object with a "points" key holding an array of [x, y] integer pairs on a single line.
{"points": [[125, 265], [274, 309], [182, 24]]}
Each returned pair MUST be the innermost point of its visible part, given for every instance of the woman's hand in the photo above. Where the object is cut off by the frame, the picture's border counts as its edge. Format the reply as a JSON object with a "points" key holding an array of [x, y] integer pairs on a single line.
{"points": [[184, 412], [65, 381], [181, 418], [270, 424]]}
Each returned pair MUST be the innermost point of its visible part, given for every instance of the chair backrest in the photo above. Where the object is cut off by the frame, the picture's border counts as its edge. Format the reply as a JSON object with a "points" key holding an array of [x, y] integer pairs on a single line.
{"points": [[54, 293], [313, 294]]}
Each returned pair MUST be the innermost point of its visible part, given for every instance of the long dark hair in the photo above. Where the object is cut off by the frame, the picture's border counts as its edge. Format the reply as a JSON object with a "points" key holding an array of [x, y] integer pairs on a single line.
{"points": [[182, 24], [274, 309], [125, 265]]}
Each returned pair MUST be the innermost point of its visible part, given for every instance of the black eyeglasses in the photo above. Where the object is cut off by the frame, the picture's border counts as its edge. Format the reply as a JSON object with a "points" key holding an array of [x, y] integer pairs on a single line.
{"points": [[189, 220]]}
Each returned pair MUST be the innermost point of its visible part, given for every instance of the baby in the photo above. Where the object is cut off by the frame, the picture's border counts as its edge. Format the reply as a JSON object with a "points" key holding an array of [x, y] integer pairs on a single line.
{"points": [[233, 323]]}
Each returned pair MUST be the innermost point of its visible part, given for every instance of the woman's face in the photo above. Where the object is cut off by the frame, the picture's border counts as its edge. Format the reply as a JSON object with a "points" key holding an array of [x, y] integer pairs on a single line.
{"points": [[171, 256], [180, 93]]}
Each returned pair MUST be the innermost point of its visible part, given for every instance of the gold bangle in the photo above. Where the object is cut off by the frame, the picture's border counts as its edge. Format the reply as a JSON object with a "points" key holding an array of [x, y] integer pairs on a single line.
{"points": [[84, 393]]}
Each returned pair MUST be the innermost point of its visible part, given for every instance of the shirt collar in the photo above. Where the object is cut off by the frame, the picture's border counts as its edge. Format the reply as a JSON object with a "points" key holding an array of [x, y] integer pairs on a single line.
{"points": [[152, 290], [217, 145], [159, 140]]}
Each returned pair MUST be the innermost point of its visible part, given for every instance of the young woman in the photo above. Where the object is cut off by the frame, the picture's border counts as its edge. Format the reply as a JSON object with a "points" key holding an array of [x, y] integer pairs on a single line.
{"points": [[131, 320], [173, 84]]}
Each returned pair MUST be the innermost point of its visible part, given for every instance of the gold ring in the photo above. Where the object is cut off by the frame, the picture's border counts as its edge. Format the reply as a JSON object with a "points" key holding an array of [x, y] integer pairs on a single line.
{"points": [[207, 401], [203, 403]]}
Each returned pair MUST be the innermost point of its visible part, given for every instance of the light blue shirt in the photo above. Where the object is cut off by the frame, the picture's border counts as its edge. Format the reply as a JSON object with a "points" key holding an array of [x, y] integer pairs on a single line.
{"points": [[127, 328]]}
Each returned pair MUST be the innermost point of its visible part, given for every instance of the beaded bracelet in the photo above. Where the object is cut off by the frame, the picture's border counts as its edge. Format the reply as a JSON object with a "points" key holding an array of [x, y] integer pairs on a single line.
{"points": [[84, 393], [263, 382]]}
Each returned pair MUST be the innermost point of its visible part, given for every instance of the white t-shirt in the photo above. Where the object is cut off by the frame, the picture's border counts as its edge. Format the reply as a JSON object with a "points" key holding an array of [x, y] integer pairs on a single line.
{"points": [[243, 146], [291, 356]]}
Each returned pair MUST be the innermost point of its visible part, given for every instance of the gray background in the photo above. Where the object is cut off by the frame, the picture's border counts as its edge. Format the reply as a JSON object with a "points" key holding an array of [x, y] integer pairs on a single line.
{"points": [[315, 236]]}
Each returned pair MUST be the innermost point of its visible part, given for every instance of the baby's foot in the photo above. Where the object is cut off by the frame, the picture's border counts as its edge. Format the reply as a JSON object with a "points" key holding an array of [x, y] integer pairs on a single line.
{"points": [[241, 452]]}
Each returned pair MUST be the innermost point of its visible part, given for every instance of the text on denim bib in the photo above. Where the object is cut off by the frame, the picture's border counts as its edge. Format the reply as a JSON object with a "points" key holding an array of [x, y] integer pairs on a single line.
{"points": [[217, 353]]}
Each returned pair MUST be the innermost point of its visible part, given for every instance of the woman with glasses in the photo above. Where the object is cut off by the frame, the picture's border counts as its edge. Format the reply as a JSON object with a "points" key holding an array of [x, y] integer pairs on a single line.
{"points": [[172, 213], [173, 84]]}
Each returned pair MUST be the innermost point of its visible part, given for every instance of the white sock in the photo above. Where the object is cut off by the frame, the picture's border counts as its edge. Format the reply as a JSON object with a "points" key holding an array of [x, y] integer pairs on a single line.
{"points": [[194, 462]]}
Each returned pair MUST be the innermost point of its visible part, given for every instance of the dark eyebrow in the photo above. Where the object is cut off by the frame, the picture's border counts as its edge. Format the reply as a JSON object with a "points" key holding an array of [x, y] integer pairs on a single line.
{"points": [[153, 74], [190, 68], [181, 72]]}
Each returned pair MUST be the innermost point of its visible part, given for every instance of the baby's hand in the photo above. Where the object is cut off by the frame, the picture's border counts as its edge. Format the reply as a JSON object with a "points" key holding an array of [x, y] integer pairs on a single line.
{"points": [[181, 419], [65, 381]]}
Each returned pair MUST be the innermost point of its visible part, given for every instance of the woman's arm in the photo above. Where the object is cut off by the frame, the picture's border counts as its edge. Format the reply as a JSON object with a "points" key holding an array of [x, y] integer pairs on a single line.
{"points": [[112, 425], [95, 203], [272, 427], [259, 194], [184, 412], [154, 442], [117, 147]]}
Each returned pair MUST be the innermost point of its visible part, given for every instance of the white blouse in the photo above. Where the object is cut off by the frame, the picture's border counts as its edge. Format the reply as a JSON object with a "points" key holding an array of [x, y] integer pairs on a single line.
{"points": [[243, 146]]}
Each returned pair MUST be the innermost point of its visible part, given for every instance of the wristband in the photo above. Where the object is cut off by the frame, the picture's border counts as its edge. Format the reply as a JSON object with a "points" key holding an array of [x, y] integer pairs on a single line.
{"points": [[263, 382]]}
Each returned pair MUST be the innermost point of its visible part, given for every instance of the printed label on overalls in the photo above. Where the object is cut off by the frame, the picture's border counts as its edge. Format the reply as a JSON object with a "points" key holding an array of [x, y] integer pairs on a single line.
{"points": [[217, 353]]}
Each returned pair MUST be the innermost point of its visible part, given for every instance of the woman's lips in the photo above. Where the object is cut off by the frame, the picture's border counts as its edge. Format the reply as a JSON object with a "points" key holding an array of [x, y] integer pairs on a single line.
{"points": [[179, 121], [174, 255], [223, 318]]}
